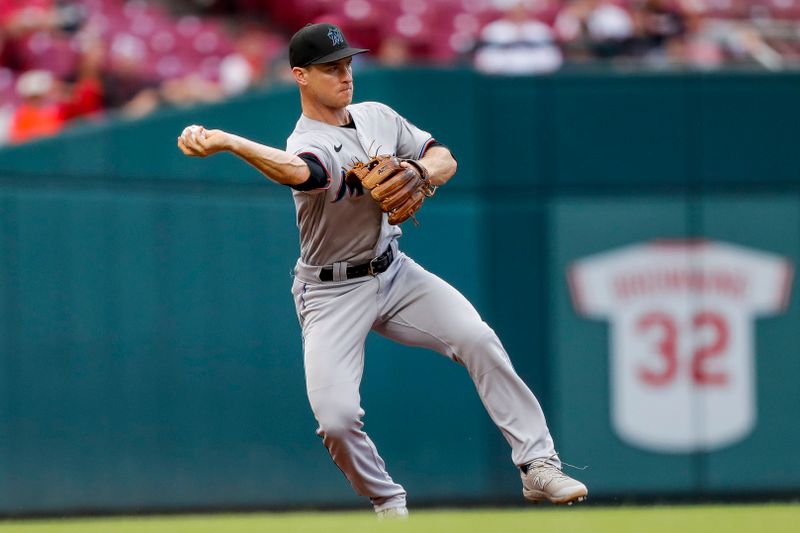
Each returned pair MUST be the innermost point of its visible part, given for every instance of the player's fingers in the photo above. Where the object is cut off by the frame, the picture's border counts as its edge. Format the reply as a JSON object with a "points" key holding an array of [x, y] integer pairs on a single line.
{"points": [[183, 141], [189, 148], [199, 133], [212, 141], [412, 166], [183, 147], [200, 139]]}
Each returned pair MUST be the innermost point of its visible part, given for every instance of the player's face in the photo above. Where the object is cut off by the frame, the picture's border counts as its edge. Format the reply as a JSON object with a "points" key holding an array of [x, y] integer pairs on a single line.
{"points": [[332, 83]]}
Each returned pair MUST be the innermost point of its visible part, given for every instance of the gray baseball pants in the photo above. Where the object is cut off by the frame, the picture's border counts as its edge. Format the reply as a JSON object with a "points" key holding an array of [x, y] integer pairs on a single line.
{"points": [[414, 307]]}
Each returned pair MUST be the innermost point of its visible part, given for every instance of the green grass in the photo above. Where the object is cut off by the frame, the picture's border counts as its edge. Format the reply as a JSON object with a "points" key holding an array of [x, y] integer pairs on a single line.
{"points": [[772, 518]]}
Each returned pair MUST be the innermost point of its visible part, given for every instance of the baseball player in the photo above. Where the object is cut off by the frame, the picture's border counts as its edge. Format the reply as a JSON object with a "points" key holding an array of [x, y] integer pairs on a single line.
{"points": [[352, 277]]}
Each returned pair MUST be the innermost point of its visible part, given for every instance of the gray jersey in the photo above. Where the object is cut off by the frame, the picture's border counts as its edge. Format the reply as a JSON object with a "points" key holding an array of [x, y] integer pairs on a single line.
{"points": [[340, 222]]}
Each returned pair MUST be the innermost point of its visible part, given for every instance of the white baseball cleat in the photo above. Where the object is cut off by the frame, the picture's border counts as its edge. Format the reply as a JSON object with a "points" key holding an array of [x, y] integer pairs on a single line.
{"points": [[544, 481], [393, 513]]}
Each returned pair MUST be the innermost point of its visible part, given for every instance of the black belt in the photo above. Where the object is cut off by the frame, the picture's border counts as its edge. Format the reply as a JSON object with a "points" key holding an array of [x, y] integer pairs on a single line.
{"points": [[375, 266]]}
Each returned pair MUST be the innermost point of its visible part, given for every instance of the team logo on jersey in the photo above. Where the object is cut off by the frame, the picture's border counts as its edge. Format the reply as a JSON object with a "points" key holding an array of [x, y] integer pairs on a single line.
{"points": [[336, 37], [348, 189], [681, 346]]}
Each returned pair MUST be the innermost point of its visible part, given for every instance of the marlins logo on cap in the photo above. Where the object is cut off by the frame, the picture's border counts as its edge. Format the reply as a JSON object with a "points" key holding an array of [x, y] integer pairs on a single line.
{"points": [[335, 35]]}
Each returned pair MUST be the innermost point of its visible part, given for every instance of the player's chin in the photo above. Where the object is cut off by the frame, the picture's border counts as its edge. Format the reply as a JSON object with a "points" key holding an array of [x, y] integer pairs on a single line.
{"points": [[346, 97]]}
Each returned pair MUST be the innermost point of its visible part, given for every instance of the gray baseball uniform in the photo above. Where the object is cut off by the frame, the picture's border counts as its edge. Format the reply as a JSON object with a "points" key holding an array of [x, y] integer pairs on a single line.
{"points": [[340, 226]]}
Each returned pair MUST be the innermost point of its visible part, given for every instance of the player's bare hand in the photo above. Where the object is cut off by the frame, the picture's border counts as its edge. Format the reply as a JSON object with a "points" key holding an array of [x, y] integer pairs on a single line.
{"points": [[196, 141]]}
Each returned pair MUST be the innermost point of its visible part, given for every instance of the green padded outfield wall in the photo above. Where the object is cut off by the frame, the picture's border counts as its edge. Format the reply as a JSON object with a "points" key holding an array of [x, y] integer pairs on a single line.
{"points": [[149, 353]]}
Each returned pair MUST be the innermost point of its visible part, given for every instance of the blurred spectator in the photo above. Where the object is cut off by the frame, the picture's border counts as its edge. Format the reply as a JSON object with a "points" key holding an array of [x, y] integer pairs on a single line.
{"points": [[281, 71], [85, 95], [702, 45], [36, 31], [657, 23], [189, 90], [236, 74], [38, 115], [610, 29], [394, 51], [712, 42], [595, 29], [248, 64], [127, 80], [518, 43], [21, 17]]}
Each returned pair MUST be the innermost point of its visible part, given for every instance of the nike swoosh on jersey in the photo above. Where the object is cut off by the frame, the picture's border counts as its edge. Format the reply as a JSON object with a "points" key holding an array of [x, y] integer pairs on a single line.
{"points": [[337, 148]]}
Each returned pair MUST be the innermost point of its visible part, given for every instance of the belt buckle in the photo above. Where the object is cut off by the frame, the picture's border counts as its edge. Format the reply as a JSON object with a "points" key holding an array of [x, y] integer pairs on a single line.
{"points": [[371, 269]]}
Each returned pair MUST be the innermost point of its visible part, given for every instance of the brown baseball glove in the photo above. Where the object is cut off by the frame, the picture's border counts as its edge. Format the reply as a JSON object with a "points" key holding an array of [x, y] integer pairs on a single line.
{"points": [[400, 190]]}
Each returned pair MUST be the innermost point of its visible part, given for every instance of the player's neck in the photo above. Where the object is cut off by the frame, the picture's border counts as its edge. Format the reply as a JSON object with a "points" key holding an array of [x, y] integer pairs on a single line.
{"points": [[329, 115]]}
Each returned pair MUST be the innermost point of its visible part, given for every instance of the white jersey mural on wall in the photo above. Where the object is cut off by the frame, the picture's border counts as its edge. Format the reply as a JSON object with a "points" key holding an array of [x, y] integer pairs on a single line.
{"points": [[682, 313]]}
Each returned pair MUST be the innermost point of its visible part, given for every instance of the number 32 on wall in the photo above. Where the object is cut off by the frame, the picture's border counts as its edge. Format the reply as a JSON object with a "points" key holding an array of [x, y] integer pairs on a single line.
{"points": [[682, 358], [708, 329]]}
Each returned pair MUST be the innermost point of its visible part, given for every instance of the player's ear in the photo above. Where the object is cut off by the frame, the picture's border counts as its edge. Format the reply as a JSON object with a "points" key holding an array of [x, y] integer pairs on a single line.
{"points": [[300, 75]]}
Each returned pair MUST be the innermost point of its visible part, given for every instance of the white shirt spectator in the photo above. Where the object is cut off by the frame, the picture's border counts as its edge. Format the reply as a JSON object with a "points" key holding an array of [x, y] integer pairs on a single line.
{"points": [[517, 48], [609, 22]]}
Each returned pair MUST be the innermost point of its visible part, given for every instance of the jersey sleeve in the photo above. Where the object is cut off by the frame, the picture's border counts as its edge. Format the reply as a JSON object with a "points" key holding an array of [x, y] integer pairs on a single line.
{"points": [[311, 154], [318, 176], [412, 142]]}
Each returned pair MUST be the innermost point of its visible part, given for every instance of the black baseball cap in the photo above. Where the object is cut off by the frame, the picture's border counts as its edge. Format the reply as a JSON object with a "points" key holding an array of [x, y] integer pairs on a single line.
{"points": [[319, 43]]}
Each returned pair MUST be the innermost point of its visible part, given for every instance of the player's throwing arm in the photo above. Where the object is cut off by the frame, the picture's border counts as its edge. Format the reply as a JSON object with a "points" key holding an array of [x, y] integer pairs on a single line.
{"points": [[278, 165]]}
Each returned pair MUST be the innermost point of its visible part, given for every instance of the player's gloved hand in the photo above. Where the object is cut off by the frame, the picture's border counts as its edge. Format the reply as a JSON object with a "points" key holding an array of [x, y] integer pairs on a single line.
{"points": [[196, 141], [398, 185]]}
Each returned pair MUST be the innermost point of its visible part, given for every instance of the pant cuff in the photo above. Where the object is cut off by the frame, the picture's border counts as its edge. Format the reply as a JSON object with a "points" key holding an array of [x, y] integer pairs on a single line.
{"points": [[381, 504]]}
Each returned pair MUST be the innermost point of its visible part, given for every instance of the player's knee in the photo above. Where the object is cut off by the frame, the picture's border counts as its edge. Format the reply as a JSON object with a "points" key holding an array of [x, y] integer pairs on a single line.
{"points": [[336, 419], [476, 337], [481, 349], [337, 425]]}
